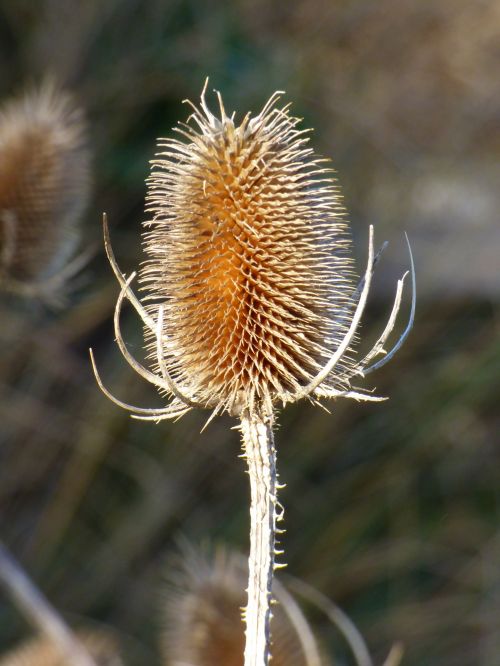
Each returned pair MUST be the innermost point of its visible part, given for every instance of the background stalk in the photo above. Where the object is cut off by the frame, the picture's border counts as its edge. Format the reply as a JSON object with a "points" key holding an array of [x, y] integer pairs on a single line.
{"points": [[42, 615], [260, 454]]}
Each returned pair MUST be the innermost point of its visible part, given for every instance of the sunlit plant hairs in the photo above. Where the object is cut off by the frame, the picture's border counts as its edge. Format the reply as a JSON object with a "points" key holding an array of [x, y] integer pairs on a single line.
{"points": [[250, 298], [44, 186]]}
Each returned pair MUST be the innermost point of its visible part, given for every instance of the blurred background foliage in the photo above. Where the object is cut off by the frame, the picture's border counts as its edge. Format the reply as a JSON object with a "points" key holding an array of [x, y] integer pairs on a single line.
{"points": [[392, 509]]}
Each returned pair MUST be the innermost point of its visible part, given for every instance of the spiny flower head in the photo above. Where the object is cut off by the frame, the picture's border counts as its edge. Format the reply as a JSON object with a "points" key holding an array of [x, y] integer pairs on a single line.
{"points": [[202, 611], [248, 278], [44, 177], [249, 254]]}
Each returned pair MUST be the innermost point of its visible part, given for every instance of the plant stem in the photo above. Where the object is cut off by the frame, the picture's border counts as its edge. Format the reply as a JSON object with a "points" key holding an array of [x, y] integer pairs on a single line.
{"points": [[260, 454], [34, 605]]}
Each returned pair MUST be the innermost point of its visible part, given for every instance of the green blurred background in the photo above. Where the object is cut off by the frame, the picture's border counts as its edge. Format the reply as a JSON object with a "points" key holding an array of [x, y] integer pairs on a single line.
{"points": [[392, 509]]}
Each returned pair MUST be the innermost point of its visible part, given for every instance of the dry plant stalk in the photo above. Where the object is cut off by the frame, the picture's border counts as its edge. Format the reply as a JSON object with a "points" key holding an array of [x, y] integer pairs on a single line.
{"points": [[250, 298], [44, 183], [202, 615], [58, 644]]}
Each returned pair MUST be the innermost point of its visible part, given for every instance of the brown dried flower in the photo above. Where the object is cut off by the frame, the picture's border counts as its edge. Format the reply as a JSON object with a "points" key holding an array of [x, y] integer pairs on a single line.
{"points": [[249, 278], [44, 178], [250, 299]]}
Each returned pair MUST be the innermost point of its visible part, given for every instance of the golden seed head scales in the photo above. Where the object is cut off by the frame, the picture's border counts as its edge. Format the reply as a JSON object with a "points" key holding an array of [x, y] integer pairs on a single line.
{"points": [[44, 182], [249, 254]]}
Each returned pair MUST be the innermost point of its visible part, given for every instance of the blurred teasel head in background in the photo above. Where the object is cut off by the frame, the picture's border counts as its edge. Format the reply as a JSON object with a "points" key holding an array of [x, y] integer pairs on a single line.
{"points": [[201, 608], [44, 187]]}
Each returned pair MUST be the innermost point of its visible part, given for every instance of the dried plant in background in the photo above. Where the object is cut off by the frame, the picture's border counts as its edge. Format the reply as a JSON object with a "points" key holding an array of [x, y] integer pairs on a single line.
{"points": [[201, 606], [58, 645], [202, 615], [343, 624], [42, 652], [251, 299], [44, 184]]}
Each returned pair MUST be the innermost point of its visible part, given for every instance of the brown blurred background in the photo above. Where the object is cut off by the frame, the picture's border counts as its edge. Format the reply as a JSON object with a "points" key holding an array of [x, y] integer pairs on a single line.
{"points": [[392, 509]]}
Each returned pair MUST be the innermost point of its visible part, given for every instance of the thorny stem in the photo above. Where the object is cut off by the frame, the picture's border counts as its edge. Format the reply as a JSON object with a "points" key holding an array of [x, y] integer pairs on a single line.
{"points": [[260, 454], [34, 605]]}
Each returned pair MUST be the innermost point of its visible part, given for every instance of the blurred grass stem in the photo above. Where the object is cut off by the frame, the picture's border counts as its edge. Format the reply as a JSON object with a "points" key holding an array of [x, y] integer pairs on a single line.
{"points": [[42, 615]]}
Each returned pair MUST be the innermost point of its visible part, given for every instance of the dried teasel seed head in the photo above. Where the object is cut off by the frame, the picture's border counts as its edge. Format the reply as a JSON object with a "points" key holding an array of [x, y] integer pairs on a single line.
{"points": [[250, 301], [42, 652], [44, 183], [203, 609], [248, 275], [250, 256]]}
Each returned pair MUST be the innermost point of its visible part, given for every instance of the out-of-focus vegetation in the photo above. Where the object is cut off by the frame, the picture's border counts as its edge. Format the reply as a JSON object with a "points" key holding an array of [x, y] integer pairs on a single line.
{"points": [[391, 509]]}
